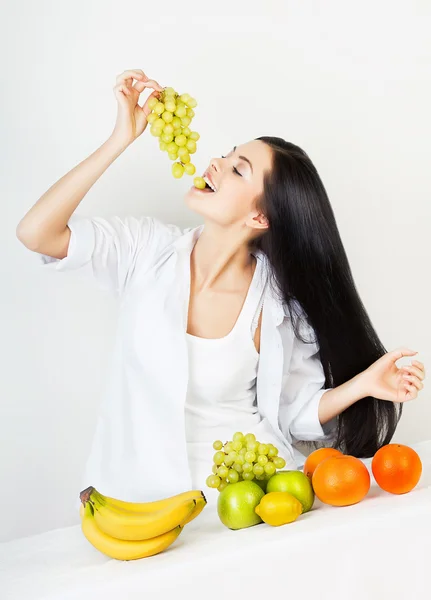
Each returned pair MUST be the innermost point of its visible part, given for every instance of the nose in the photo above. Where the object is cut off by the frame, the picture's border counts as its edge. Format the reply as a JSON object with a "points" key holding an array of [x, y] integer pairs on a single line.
{"points": [[214, 165]]}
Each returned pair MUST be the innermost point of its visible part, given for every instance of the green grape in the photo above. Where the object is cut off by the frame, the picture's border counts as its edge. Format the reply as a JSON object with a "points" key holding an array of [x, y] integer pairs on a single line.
{"points": [[185, 121], [233, 455], [252, 447], [237, 446], [191, 146], [167, 137], [228, 461], [187, 131], [261, 477], [177, 170], [273, 451], [195, 137], [232, 476], [178, 132], [258, 469], [263, 449], [243, 451], [199, 183], [250, 456], [173, 155], [269, 468], [238, 437], [159, 123], [190, 113], [170, 105], [182, 151], [152, 103], [168, 128], [228, 447], [222, 472], [249, 437], [222, 485], [279, 462], [240, 459], [155, 131], [185, 158], [218, 458], [237, 467], [192, 103], [218, 445], [185, 98], [180, 111], [262, 459], [152, 117], [169, 91], [249, 476], [247, 467], [172, 147], [159, 108], [213, 481], [190, 168], [167, 116], [181, 140], [214, 469], [176, 122], [162, 145]]}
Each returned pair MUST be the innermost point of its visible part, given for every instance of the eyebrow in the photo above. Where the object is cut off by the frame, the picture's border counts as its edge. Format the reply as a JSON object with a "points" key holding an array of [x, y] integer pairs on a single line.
{"points": [[244, 158]]}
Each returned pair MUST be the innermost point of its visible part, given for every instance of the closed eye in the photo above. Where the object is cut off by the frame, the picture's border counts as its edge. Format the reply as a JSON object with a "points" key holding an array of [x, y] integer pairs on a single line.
{"points": [[234, 170]]}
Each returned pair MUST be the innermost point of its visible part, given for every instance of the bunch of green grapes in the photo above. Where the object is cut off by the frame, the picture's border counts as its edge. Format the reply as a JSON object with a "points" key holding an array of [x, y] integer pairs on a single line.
{"points": [[170, 119], [243, 459]]}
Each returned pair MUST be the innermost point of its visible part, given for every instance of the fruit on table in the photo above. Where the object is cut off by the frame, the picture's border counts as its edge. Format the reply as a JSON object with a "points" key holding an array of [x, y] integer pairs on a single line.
{"points": [[243, 459], [170, 119], [279, 508], [295, 483], [236, 504], [317, 457], [107, 521], [341, 480], [124, 549], [396, 468]]}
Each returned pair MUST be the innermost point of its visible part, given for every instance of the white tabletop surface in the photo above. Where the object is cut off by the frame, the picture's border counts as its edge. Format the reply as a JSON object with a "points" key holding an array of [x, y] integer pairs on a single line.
{"points": [[379, 549]]}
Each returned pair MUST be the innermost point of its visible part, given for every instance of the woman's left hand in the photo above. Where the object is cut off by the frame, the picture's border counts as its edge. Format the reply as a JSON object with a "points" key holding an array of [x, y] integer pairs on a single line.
{"points": [[385, 381]]}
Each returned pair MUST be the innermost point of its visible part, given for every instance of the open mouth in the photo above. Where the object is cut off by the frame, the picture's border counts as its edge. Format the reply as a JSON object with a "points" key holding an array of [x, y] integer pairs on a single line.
{"points": [[206, 190]]}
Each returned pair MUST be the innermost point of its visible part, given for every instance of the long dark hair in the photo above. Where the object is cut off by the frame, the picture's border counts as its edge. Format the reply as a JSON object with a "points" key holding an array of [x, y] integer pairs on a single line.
{"points": [[310, 266]]}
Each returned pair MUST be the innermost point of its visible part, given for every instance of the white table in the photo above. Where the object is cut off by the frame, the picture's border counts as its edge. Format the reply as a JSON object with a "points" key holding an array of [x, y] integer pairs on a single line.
{"points": [[379, 549]]}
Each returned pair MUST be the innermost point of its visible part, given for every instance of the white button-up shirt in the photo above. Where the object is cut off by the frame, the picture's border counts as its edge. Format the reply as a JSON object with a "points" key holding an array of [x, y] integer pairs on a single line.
{"points": [[139, 451]]}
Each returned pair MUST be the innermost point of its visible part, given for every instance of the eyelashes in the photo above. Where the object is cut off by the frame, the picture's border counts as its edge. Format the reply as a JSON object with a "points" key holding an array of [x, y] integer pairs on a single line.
{"points": [[234, 170]]}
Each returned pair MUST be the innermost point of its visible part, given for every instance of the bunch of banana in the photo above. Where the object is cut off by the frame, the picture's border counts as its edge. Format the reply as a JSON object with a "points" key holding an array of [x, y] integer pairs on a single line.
{"points": [[129, 530]]}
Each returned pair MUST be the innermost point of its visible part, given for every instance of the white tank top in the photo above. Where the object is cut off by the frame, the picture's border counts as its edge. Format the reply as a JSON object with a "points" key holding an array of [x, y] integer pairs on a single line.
{"points": [[221, 395]]}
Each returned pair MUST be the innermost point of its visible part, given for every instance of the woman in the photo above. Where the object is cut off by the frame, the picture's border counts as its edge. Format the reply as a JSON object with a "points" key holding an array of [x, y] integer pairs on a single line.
{"points": [[250, 322]]}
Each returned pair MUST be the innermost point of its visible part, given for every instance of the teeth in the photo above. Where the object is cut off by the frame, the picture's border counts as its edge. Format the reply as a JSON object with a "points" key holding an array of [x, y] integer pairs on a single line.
{"points": [[210, 184]]}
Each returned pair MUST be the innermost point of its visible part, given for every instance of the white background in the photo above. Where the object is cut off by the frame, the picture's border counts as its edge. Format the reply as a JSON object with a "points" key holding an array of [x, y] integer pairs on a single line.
{"points": [[348, 82]]}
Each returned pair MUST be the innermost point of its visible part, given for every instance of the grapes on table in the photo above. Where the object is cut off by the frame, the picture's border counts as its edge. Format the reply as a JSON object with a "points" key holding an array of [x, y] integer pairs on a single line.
{"points": [[243, 458], [170, 120]]}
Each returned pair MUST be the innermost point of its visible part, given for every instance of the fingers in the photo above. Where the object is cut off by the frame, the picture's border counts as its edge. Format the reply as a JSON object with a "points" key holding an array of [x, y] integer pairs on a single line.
{"points": [[413, 370], [402, 351], [414, 381], [131, 74], [412, 391]]}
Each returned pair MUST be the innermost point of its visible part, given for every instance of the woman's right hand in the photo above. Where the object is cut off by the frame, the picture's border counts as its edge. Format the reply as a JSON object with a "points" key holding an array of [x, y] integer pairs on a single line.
{"points": [[132, 118]]}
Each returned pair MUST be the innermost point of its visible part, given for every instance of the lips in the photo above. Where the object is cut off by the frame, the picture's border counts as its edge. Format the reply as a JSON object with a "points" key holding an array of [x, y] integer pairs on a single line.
{"points": [[207, 174]]}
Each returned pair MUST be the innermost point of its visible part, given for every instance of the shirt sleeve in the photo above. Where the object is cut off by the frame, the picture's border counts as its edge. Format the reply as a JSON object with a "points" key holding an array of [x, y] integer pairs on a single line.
{"points": [[108, 250], [300, 396]]}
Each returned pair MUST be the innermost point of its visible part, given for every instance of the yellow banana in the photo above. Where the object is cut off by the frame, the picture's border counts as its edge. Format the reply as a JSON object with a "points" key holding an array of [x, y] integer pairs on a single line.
{"points": [[200, 505], [126, 525], [124, 549], [91, 492]]}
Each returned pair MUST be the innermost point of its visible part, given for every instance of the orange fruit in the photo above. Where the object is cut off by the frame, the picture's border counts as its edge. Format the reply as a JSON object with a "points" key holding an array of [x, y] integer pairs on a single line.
{"points": [[396, 468], [341, 480], [316, 457]]}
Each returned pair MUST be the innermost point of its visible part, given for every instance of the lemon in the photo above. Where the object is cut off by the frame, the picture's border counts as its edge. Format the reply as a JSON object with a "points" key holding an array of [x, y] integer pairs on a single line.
{"points": [[279, 508]]}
